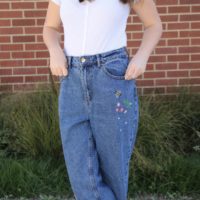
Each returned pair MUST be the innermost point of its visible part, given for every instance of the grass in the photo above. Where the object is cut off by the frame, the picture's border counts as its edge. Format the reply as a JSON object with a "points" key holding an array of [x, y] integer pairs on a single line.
{"points": [[166, 159]]}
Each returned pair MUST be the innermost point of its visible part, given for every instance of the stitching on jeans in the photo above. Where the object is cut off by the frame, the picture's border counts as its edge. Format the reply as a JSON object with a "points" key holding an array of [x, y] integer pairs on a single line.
{"points": [[136, 118], [91, 172], [122, 106]]}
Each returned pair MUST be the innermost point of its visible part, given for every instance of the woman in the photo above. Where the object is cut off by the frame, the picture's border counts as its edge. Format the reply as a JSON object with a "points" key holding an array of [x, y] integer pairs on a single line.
{"points": [[98, 100]]}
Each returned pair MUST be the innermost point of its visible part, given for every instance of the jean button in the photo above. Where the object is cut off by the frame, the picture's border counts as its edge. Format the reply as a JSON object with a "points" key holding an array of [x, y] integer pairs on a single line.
{"points": [[83, 59]]}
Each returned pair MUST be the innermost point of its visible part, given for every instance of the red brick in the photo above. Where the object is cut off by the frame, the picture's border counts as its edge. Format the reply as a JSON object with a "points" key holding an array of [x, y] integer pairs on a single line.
{"points": [[189, 81], [134, 27], [178, 42], [5, 72], [169, 18], [154, 74], [35, 13], [166, 66], [4, 55], [4, 6], [166, 82], [178, 57], [195, 73], [35, 62], [40, 22], [21, 39], [189, 49], [195, 9], [13, 30], [145, 82], [11, 79], [42, 54], [167, 50], [189, 65], [156, 58], [189, 2], [22, 5], [4, 39], [193, 17], [178, 9], [195, 25], [43, 70], [195, 57], [35, 46], [11, 63], [169, 34], [5, 22], [195, 41], [11, 47], [10, 14], [177, 73], [33, 30], [23, 22], [23, 54], [166, 2], [191, 33], [35, 78], [24, 71], [176, 26], [41, 5]]}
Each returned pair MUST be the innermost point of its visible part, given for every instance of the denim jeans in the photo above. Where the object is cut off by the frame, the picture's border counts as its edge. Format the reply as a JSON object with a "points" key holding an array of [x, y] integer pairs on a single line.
{"points": [[98, 116]]}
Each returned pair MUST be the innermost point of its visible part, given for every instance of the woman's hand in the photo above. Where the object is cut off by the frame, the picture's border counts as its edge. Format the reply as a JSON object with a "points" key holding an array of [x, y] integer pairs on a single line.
{"points": [[136, 67], [58, 62]]}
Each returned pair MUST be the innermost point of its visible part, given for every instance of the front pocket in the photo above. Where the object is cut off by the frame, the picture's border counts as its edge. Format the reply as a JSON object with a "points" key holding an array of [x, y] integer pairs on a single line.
{"points": [[61, 78], [116, 68]]}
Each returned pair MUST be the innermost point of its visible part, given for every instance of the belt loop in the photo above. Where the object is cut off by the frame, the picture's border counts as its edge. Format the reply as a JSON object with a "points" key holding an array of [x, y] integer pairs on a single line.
{"points": [[69, 60], [127, 52], [98, 60]]}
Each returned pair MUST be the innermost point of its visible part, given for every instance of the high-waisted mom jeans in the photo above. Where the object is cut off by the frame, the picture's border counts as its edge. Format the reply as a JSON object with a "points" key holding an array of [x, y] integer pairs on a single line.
{"points": [[98, 116]]}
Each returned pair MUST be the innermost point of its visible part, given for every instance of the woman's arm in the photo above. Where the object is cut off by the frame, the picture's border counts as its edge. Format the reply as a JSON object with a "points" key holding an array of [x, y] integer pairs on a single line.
{"points": [[147, 12], [51, 37]]}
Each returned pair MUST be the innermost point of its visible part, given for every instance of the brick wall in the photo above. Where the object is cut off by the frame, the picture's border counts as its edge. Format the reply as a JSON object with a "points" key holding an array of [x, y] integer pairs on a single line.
{"points": [[174, 63]]}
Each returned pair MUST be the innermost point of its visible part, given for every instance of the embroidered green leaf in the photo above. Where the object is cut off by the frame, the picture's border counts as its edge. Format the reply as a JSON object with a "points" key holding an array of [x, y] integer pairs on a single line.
{"points": [[127, 103]]}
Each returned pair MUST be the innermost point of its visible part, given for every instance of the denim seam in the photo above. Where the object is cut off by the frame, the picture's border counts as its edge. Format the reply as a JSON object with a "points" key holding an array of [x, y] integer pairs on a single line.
{"points": [[131, 137], [91, 171], [83, 85], [123, 171], [136, 119]]}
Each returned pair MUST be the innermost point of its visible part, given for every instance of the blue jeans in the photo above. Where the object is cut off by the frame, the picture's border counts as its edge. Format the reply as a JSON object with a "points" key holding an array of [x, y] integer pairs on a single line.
{"points": [[98, 116]]}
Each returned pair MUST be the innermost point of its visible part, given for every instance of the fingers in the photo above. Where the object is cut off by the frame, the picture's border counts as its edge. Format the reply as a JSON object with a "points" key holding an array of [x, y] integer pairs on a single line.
{"points": [[130, 72], [64, 70], [59, 70]]}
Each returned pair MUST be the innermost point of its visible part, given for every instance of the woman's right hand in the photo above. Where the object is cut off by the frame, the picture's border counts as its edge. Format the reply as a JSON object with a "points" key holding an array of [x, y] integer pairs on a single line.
{"points": [[58, 62]]}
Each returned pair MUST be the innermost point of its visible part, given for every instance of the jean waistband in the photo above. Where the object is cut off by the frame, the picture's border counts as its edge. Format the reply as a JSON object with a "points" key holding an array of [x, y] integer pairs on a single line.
{"points": [[97, 58]]}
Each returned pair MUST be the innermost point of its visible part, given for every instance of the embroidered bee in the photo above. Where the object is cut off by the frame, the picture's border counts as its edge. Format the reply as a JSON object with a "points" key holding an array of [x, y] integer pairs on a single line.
{"points": [[126, 102], [118, 93]]}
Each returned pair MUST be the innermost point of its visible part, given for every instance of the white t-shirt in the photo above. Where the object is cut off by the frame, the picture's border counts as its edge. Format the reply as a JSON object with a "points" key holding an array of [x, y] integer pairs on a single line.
{"points": [[93, 27]]}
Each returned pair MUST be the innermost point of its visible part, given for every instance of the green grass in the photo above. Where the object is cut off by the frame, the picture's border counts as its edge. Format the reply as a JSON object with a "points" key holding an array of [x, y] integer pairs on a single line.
{"points": [[166, 158], [29, 177]]}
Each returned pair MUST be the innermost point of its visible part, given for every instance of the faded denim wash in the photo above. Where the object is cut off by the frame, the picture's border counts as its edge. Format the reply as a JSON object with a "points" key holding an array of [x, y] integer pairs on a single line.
{"points": [[98, 116]]}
